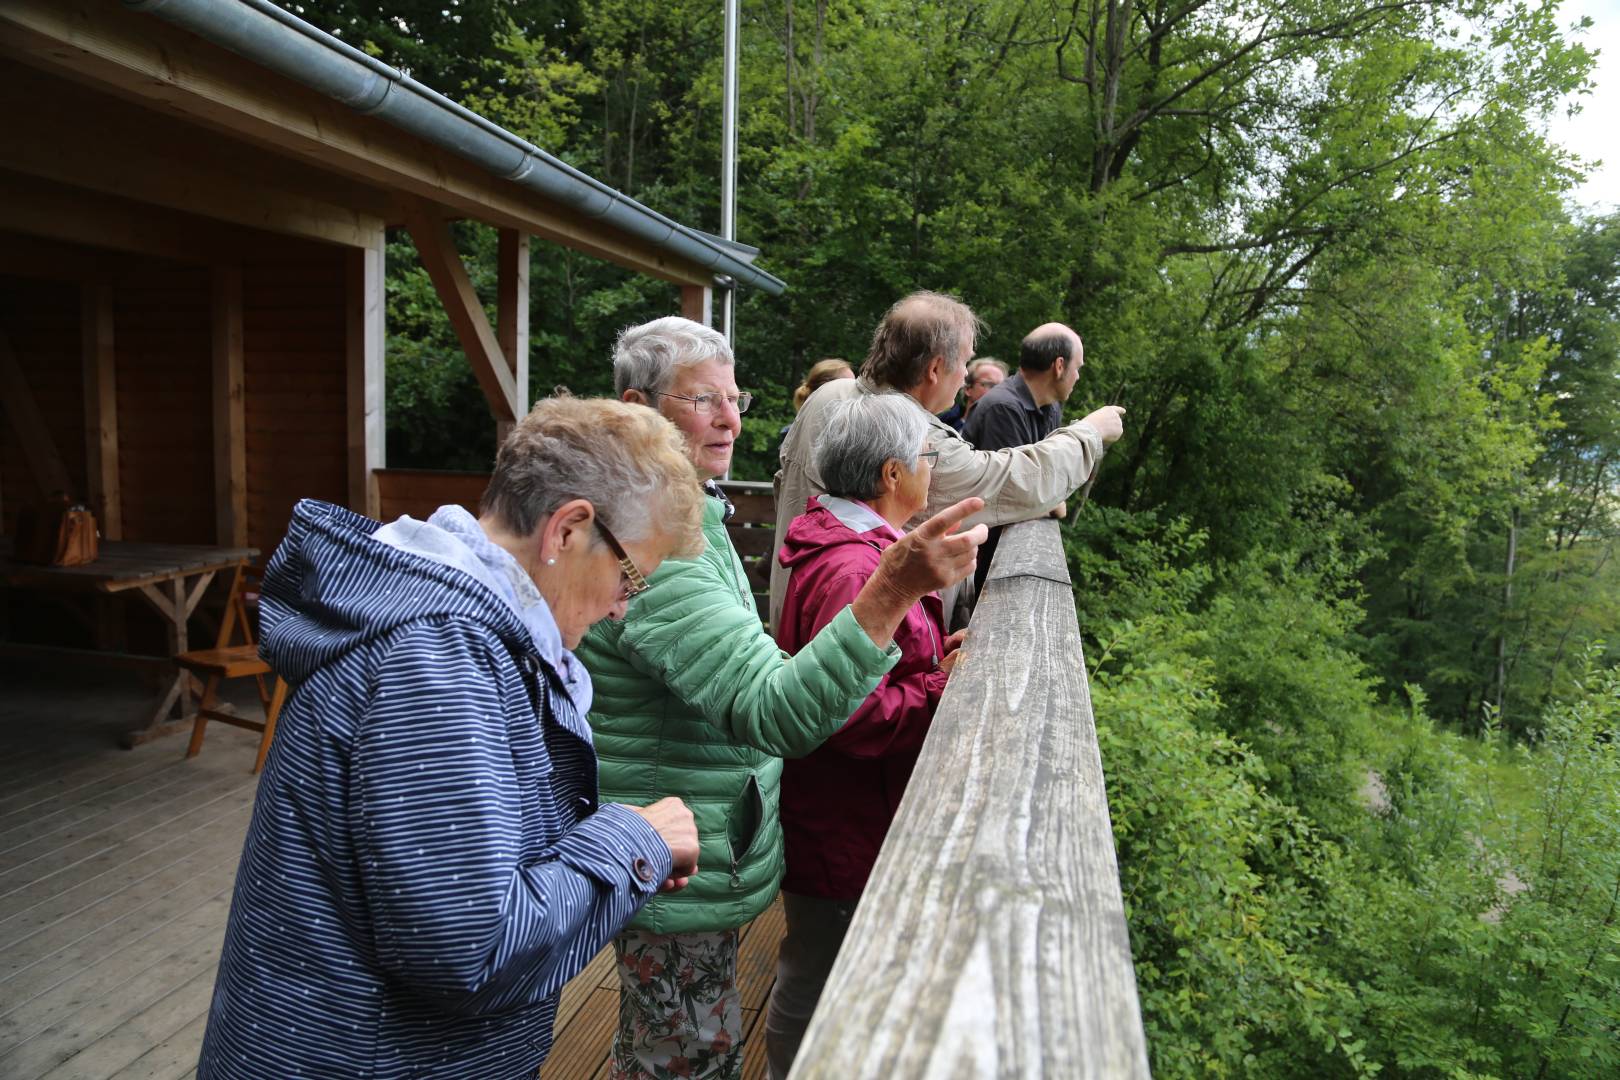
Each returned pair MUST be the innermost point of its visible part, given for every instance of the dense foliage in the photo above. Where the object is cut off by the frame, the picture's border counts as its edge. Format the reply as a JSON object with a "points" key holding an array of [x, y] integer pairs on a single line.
{"points": [[1347, 580]]}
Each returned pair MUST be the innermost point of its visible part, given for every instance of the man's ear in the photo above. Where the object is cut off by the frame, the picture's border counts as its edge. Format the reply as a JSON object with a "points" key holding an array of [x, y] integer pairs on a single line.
{"points": [[635, 397], [935, 372]]}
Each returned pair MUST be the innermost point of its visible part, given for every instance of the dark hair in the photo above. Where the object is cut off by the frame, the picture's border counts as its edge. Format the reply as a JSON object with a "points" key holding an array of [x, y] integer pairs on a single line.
{"points": [[914, 331], [1040, 353]]}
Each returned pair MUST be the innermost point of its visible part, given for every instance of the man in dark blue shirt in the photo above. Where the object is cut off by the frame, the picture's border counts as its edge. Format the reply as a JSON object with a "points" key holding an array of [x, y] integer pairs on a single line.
{"points": [[1028, 406], [983, 375]]}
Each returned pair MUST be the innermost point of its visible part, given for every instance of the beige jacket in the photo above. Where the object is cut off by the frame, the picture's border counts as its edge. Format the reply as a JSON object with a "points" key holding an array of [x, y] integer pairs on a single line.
{"points": [[1016, 485]]}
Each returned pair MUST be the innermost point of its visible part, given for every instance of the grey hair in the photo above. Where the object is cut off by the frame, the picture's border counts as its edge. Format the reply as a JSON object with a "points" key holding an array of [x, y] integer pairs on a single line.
{"points": [[627, 460], [862, 433], [987, 361], [645, 357]]}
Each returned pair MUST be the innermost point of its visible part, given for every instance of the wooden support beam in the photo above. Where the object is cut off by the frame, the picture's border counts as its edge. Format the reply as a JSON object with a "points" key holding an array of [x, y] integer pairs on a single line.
{"points": [[364, 312], [50, 474], [697, 303], [443, 263], [100, 408], [230, 414], [180, 167], [512, 320], [53, 211], [31, 257]]}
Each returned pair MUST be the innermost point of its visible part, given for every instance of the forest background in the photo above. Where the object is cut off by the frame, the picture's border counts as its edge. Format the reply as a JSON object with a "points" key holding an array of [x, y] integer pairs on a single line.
{"points": [[1349, 584]]}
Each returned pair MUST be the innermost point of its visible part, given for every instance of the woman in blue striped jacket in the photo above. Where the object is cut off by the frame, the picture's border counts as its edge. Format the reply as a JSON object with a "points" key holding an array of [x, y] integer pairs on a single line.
{"points": [[428, 863]]}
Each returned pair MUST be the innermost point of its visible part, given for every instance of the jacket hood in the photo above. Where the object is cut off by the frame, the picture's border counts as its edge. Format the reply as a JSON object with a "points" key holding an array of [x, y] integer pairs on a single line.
{"points": [[828, 521], [335, 585]]}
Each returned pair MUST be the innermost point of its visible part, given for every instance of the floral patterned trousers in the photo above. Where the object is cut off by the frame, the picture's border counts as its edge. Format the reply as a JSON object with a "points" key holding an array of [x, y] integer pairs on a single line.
{"points": [[680, 1012]]}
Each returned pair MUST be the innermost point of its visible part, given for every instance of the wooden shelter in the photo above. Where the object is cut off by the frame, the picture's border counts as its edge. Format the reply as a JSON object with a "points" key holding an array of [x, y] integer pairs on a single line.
{"points": [[193, 198]]}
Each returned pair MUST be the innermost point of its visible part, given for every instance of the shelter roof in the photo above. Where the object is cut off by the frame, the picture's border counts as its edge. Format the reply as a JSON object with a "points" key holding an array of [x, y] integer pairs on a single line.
{"points": [[374, 140]]}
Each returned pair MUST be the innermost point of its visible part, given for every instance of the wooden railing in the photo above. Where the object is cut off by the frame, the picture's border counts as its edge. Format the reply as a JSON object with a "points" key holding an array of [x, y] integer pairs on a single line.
{"points": [[991, 939]]}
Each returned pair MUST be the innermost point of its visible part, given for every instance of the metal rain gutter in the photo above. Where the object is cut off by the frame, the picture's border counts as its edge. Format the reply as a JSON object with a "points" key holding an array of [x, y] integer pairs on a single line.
{"points": [[267, 35]]}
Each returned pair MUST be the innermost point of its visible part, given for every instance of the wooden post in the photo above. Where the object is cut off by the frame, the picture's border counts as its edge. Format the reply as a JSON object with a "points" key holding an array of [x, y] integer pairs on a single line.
{"points": [[512, 321], [443, 264], [50, 474], [230, 416], [100, 407], [991, 938], [697, 303], [364, 314]]}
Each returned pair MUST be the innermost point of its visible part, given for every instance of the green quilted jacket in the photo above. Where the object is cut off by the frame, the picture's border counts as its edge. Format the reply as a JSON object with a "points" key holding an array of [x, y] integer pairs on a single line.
{"points": [[692, 698]]}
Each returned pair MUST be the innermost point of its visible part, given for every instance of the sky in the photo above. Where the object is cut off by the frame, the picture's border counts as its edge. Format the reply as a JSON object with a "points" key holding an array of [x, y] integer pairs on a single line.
{"points": [[1595, 131]]}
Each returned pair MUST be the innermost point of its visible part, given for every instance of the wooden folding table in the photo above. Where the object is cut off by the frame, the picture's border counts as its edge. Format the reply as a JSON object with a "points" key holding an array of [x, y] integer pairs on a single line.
{"points": [[171, 578]]}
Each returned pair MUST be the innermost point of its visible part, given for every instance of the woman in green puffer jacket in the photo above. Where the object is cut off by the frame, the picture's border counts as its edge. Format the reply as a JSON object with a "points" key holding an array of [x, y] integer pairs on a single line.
{"points": [[694, 699]]}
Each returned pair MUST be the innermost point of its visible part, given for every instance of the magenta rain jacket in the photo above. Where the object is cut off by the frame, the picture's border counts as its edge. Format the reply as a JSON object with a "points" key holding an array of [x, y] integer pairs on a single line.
{"points": [[838, 801]]}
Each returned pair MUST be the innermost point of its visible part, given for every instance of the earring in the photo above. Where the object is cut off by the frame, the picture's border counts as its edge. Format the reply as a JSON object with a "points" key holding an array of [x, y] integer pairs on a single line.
{"points": [[551, 562]]}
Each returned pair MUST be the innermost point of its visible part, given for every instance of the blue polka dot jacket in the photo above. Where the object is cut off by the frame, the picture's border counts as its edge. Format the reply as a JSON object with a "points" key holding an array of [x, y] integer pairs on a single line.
{"points": [[427, 862]]}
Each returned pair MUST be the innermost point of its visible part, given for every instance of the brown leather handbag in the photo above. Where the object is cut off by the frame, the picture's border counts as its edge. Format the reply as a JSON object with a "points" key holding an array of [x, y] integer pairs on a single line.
{"points": [[60, 532]]}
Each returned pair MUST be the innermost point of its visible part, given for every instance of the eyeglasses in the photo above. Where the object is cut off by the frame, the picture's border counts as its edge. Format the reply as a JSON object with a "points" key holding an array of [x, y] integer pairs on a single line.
{"points": [[630, 581], [707, 403], [930, 456]]}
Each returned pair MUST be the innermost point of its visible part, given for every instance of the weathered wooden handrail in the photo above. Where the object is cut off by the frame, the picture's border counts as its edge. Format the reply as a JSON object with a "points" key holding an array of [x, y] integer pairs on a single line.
{"points": [[991, 940]]}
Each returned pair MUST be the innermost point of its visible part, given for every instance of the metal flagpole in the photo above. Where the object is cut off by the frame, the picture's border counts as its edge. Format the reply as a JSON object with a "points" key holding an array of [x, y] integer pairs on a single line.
{"points": [[728, 158]]}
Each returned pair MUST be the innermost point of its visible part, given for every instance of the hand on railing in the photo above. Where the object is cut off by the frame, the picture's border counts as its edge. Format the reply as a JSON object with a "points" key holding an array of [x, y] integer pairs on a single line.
{"points": [[953, 652]]}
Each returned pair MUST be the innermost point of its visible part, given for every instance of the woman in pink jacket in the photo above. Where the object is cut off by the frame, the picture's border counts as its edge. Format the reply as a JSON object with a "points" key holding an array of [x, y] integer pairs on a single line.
{"points": [[837, 802]]}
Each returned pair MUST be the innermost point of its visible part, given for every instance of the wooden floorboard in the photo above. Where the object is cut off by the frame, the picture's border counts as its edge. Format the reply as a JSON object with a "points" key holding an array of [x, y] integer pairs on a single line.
{"points": [[52, 817], [197, 792], [63, 1006], [126, 864], [115, 875], [171, 1059], [163, 1019], [581, 1047], [116, 1006]]}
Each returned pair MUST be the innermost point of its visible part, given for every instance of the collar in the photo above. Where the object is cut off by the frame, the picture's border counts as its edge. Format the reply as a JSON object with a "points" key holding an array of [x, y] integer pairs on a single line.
{"points": [[1020, 389], [856, 516], [713, 491]]}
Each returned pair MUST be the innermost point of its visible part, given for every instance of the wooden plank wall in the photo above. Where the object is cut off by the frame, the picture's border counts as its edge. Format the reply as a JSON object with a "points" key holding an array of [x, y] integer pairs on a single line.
{"points": [[293, 363], [164, 357], [419, 492], [41, 320], [294, 378]]}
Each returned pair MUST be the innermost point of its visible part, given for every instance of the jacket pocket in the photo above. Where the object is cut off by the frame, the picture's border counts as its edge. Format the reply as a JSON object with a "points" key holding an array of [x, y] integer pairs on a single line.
{"points": [[743, 826]]}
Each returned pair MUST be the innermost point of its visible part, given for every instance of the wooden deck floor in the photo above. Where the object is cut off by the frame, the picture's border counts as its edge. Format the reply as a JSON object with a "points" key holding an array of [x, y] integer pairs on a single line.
{"points": [[116, 869]]}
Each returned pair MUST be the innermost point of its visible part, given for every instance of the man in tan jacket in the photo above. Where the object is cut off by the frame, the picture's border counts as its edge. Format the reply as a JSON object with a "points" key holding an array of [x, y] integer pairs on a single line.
{"points": [[921, 349]]}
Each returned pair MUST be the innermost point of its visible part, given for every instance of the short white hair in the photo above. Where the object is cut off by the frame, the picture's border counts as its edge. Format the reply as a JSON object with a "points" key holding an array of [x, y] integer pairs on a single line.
{"points": [[862, 434], [645, 357]]}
